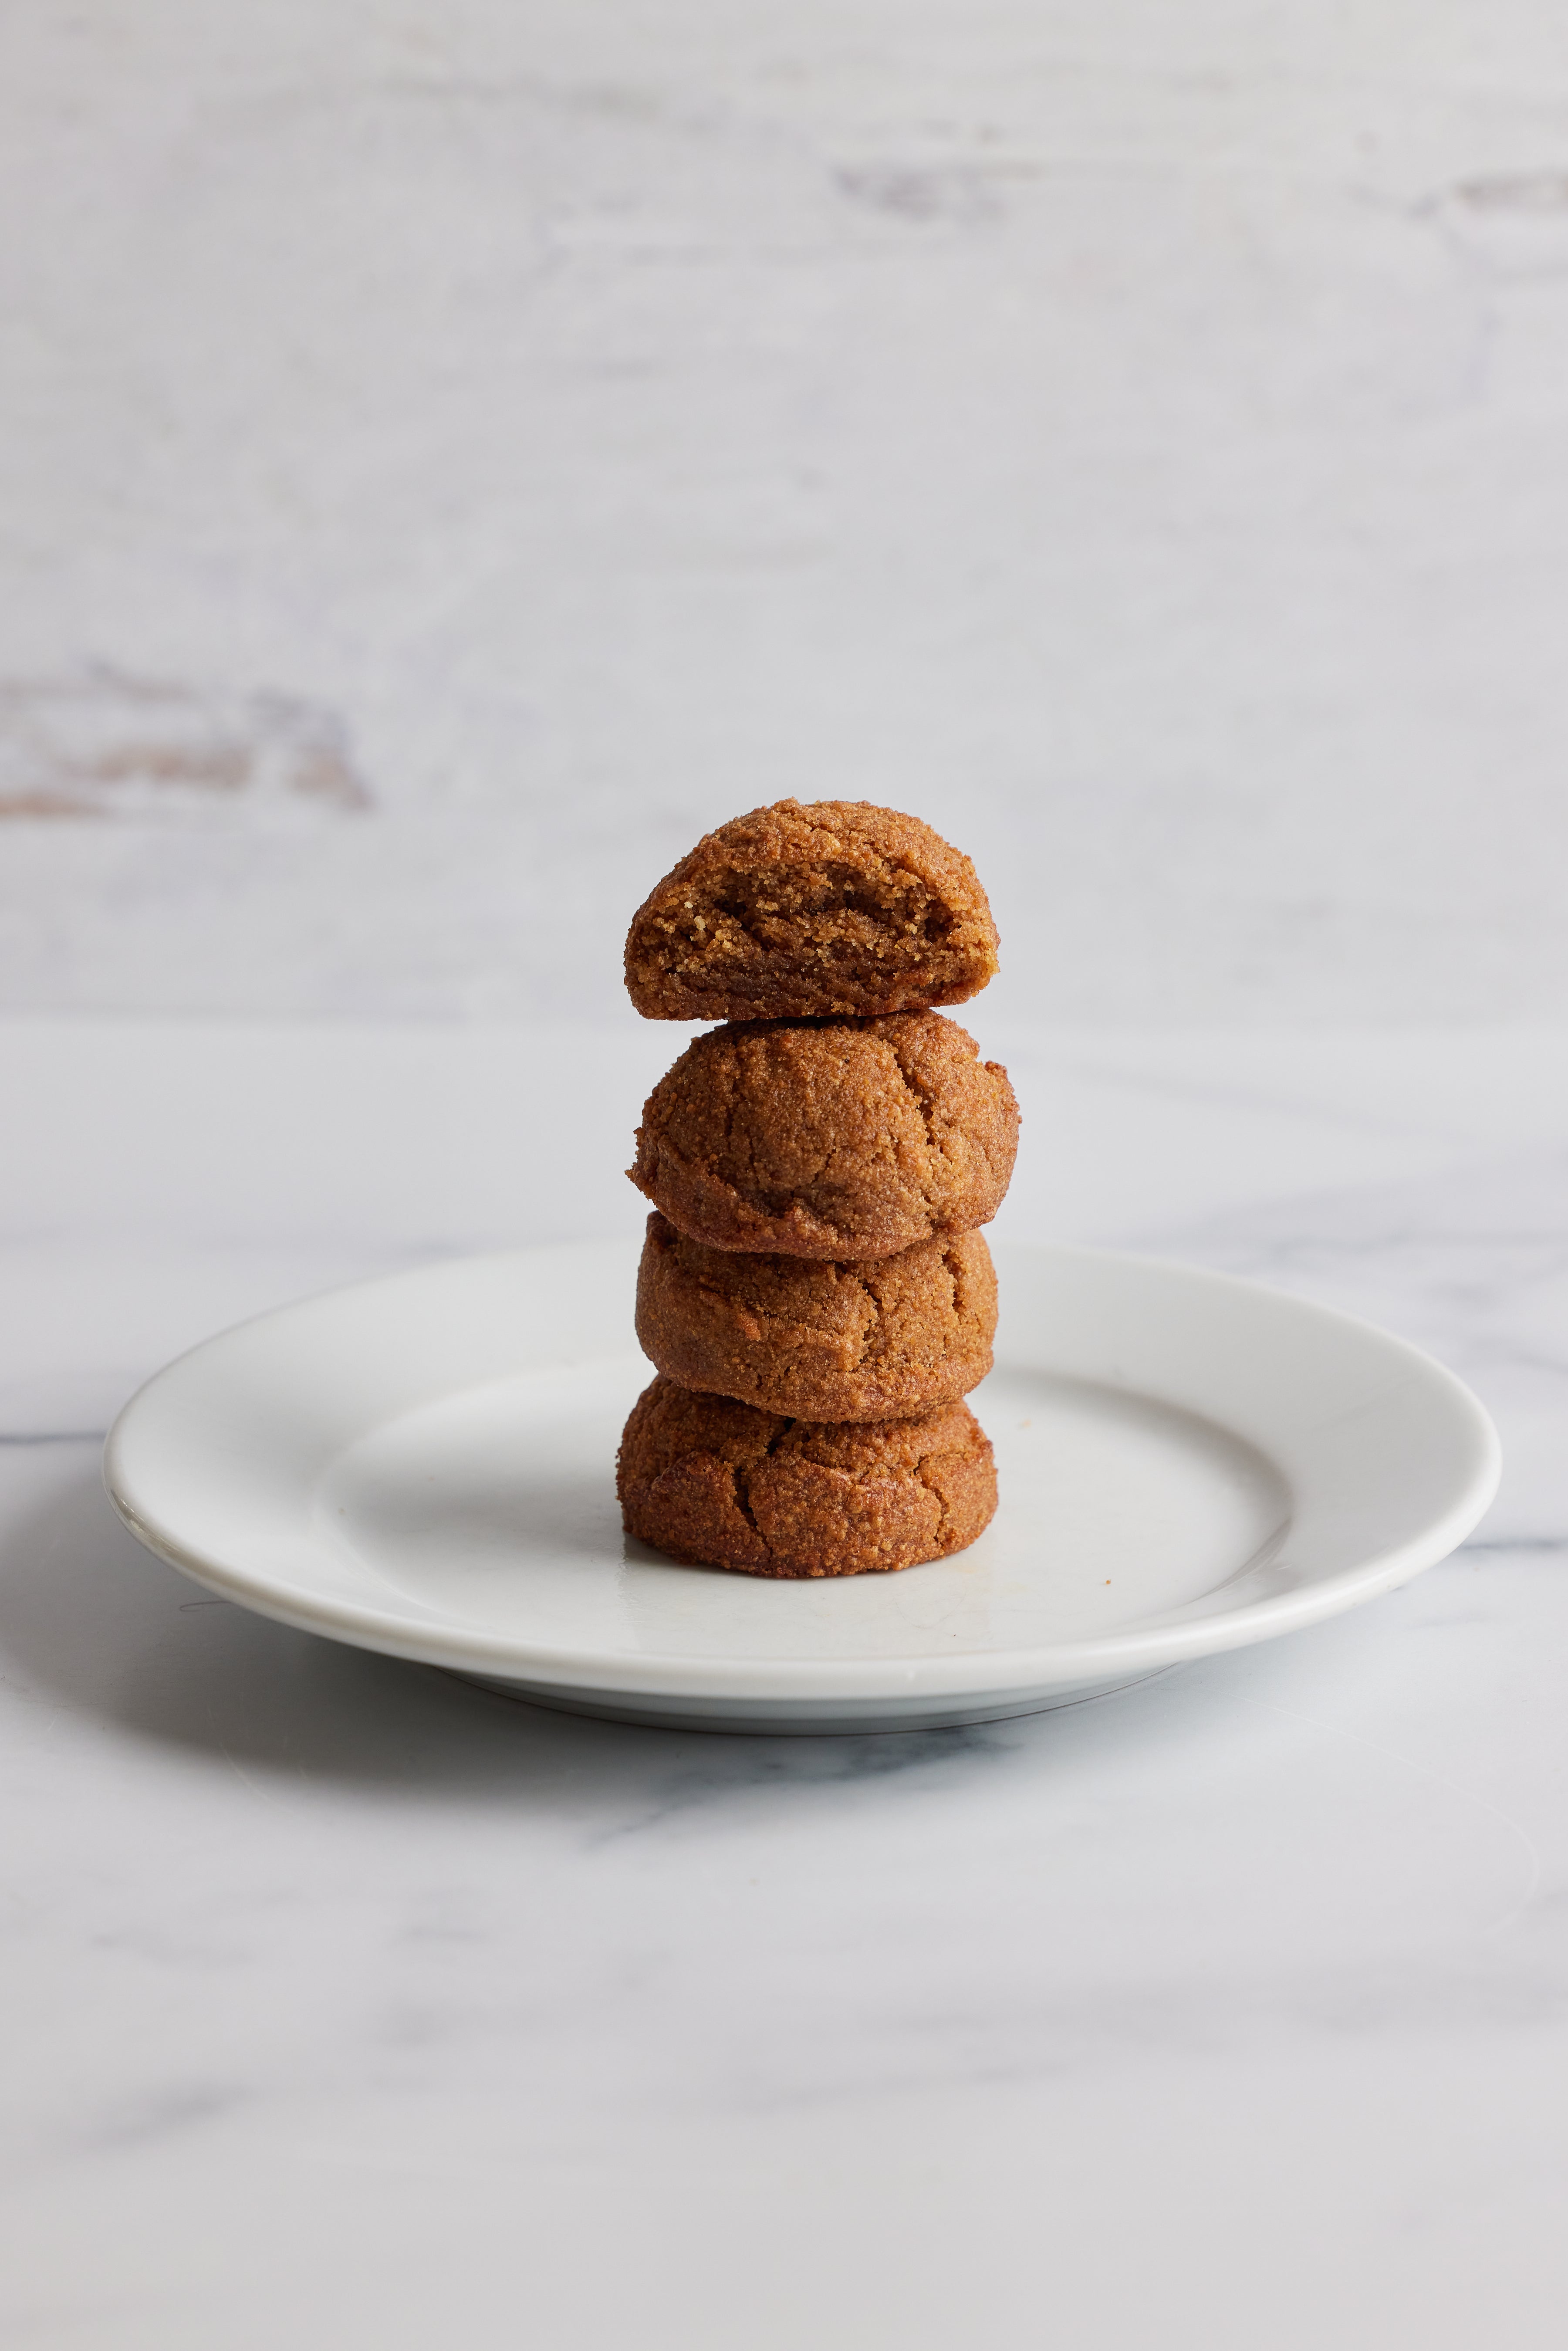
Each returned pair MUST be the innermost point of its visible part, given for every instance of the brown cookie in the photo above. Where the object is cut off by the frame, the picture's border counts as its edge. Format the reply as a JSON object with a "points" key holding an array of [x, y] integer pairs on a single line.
{"points": [[718, 1484], [829, 1139], [794, 911], [871, 1340]]}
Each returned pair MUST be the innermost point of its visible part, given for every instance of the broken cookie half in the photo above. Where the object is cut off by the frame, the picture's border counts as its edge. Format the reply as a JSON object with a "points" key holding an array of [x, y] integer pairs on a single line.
{"points": [[805, 909]]}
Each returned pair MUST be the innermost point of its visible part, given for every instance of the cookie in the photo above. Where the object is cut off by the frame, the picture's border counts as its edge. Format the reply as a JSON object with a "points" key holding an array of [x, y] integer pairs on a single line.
{"points": [[872, 1339], [718, 1484], [800, 910], [829, 1139]]}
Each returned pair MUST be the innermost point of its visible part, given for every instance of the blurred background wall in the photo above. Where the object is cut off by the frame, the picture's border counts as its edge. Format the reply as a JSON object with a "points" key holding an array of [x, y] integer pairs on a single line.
{"points": [[450, 455]]}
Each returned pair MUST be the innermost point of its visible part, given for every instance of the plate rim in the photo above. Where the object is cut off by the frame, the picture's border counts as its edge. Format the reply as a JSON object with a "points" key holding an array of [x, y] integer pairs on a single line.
{"points": [[1136, 1650]]}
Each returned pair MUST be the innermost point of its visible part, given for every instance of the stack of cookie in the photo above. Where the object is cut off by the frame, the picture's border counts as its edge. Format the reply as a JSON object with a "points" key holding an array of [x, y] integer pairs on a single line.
{"points": [[814, 1290]]}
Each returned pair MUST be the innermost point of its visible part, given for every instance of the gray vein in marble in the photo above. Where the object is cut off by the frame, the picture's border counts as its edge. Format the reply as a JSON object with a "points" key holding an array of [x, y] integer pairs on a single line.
{"points": [[52, 1437], [186, 2106]]}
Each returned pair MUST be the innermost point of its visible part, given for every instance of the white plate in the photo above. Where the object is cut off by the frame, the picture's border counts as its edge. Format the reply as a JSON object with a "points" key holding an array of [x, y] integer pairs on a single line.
{"points": [[425, 1465]]}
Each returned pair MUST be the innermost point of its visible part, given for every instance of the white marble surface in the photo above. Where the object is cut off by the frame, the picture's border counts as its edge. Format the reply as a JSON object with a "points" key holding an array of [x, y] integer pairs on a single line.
{"points": [[451, 455], [346, 2004]]}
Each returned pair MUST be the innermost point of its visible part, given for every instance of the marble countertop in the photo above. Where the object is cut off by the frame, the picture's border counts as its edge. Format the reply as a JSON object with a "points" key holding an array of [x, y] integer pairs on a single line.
{"points": [[349, 2004]]}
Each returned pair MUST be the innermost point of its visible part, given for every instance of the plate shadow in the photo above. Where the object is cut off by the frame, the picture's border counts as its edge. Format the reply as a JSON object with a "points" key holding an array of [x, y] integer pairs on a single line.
{"points": [[90, 1618]]}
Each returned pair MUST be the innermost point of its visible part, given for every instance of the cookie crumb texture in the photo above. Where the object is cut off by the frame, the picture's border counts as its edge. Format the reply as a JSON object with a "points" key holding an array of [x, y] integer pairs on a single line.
{"points": [[800, 910], [829, 1139], [719, 1483], [874, 1339]]}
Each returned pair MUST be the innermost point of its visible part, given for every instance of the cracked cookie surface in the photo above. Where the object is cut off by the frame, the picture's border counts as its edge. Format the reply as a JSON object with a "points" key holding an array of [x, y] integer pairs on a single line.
{"points": [[809, 908], [718, 1483], [871, 1338], [829, 1139]]}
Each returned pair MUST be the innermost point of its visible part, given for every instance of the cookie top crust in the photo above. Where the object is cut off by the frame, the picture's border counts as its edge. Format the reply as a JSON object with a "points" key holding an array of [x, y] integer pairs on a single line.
{"points": [[805, 909], [837, 1138]]}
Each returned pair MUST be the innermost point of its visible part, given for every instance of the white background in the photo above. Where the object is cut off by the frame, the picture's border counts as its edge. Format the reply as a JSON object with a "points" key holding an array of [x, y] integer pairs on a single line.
{"points": [[450, 456]]}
